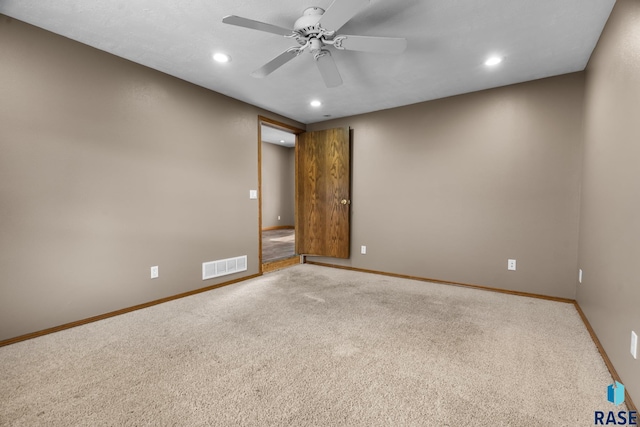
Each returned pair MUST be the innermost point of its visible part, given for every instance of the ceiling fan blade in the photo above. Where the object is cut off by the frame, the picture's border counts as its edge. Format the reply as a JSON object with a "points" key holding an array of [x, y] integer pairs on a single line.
{"points": [[328, 69], [371, 44], [276, 62], [340, 12], [256, 25]]}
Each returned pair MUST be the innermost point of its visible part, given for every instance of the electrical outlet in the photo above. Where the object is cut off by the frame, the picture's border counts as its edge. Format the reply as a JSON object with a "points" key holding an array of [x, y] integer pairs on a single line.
{"points": [[154, 272], [511, 264], [278, 217], [580, 276], [634, 345], [363, 250]]}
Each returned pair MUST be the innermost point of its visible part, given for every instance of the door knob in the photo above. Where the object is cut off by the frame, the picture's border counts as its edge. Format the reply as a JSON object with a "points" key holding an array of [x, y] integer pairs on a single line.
{"points": [[345, 202]]}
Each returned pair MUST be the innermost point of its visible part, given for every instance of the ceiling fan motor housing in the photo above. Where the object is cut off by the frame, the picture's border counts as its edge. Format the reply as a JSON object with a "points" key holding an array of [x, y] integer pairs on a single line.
{"points": [[307, 24]]}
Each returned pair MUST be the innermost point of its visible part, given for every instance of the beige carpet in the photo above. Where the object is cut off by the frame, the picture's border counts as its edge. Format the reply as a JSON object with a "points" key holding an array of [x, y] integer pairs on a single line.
{"points": [[314, 346]]}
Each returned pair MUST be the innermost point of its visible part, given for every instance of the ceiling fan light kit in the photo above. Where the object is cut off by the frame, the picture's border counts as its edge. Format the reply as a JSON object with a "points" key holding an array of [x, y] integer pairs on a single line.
{"points": [[315, 31]]}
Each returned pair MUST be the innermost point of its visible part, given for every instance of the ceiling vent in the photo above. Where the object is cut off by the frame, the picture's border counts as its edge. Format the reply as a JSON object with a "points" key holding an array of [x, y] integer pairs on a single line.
{"points": [[223, 267]]}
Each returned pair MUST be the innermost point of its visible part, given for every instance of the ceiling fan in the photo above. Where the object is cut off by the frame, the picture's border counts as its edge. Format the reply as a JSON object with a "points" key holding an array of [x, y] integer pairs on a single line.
{"points": [[315, 31]]}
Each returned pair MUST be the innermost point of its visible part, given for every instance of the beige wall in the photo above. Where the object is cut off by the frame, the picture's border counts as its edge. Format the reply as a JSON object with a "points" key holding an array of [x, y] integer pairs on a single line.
{"points": [[610, 222], [106, 169], [278, 185], [451, 189]]}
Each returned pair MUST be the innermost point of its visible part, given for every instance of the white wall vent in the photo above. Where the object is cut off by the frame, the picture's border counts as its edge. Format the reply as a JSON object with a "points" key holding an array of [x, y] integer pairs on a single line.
{"points": [[223, 267]]}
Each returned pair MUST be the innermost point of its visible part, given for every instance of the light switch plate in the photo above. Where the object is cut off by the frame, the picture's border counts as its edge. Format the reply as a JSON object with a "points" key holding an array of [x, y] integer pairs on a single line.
{"points": [[634, 345], [580, 276], [154, 272], [253, 194]]}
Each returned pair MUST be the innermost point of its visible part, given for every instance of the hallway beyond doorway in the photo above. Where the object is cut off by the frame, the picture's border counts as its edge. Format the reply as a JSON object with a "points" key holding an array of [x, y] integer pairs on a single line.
{"points": [[278, 244]]}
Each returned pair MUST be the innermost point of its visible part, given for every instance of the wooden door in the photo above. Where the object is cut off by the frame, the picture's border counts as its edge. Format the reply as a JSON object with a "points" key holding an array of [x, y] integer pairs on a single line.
{"points": [[322, 193]]}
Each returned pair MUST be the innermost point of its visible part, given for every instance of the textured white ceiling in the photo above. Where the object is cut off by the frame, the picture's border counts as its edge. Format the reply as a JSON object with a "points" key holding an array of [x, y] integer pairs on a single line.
{"points": [[448, 41]]}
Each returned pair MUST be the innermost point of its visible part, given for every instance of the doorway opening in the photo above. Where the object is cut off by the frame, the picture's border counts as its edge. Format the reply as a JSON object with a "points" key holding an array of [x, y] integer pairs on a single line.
{"points": [[276, 174]]}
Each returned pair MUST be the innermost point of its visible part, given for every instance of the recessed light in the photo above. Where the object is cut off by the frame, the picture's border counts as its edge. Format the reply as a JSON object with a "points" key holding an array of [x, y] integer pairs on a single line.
{"points": [[494, 60], [282, 141], [221, 57], [316, 103]]}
